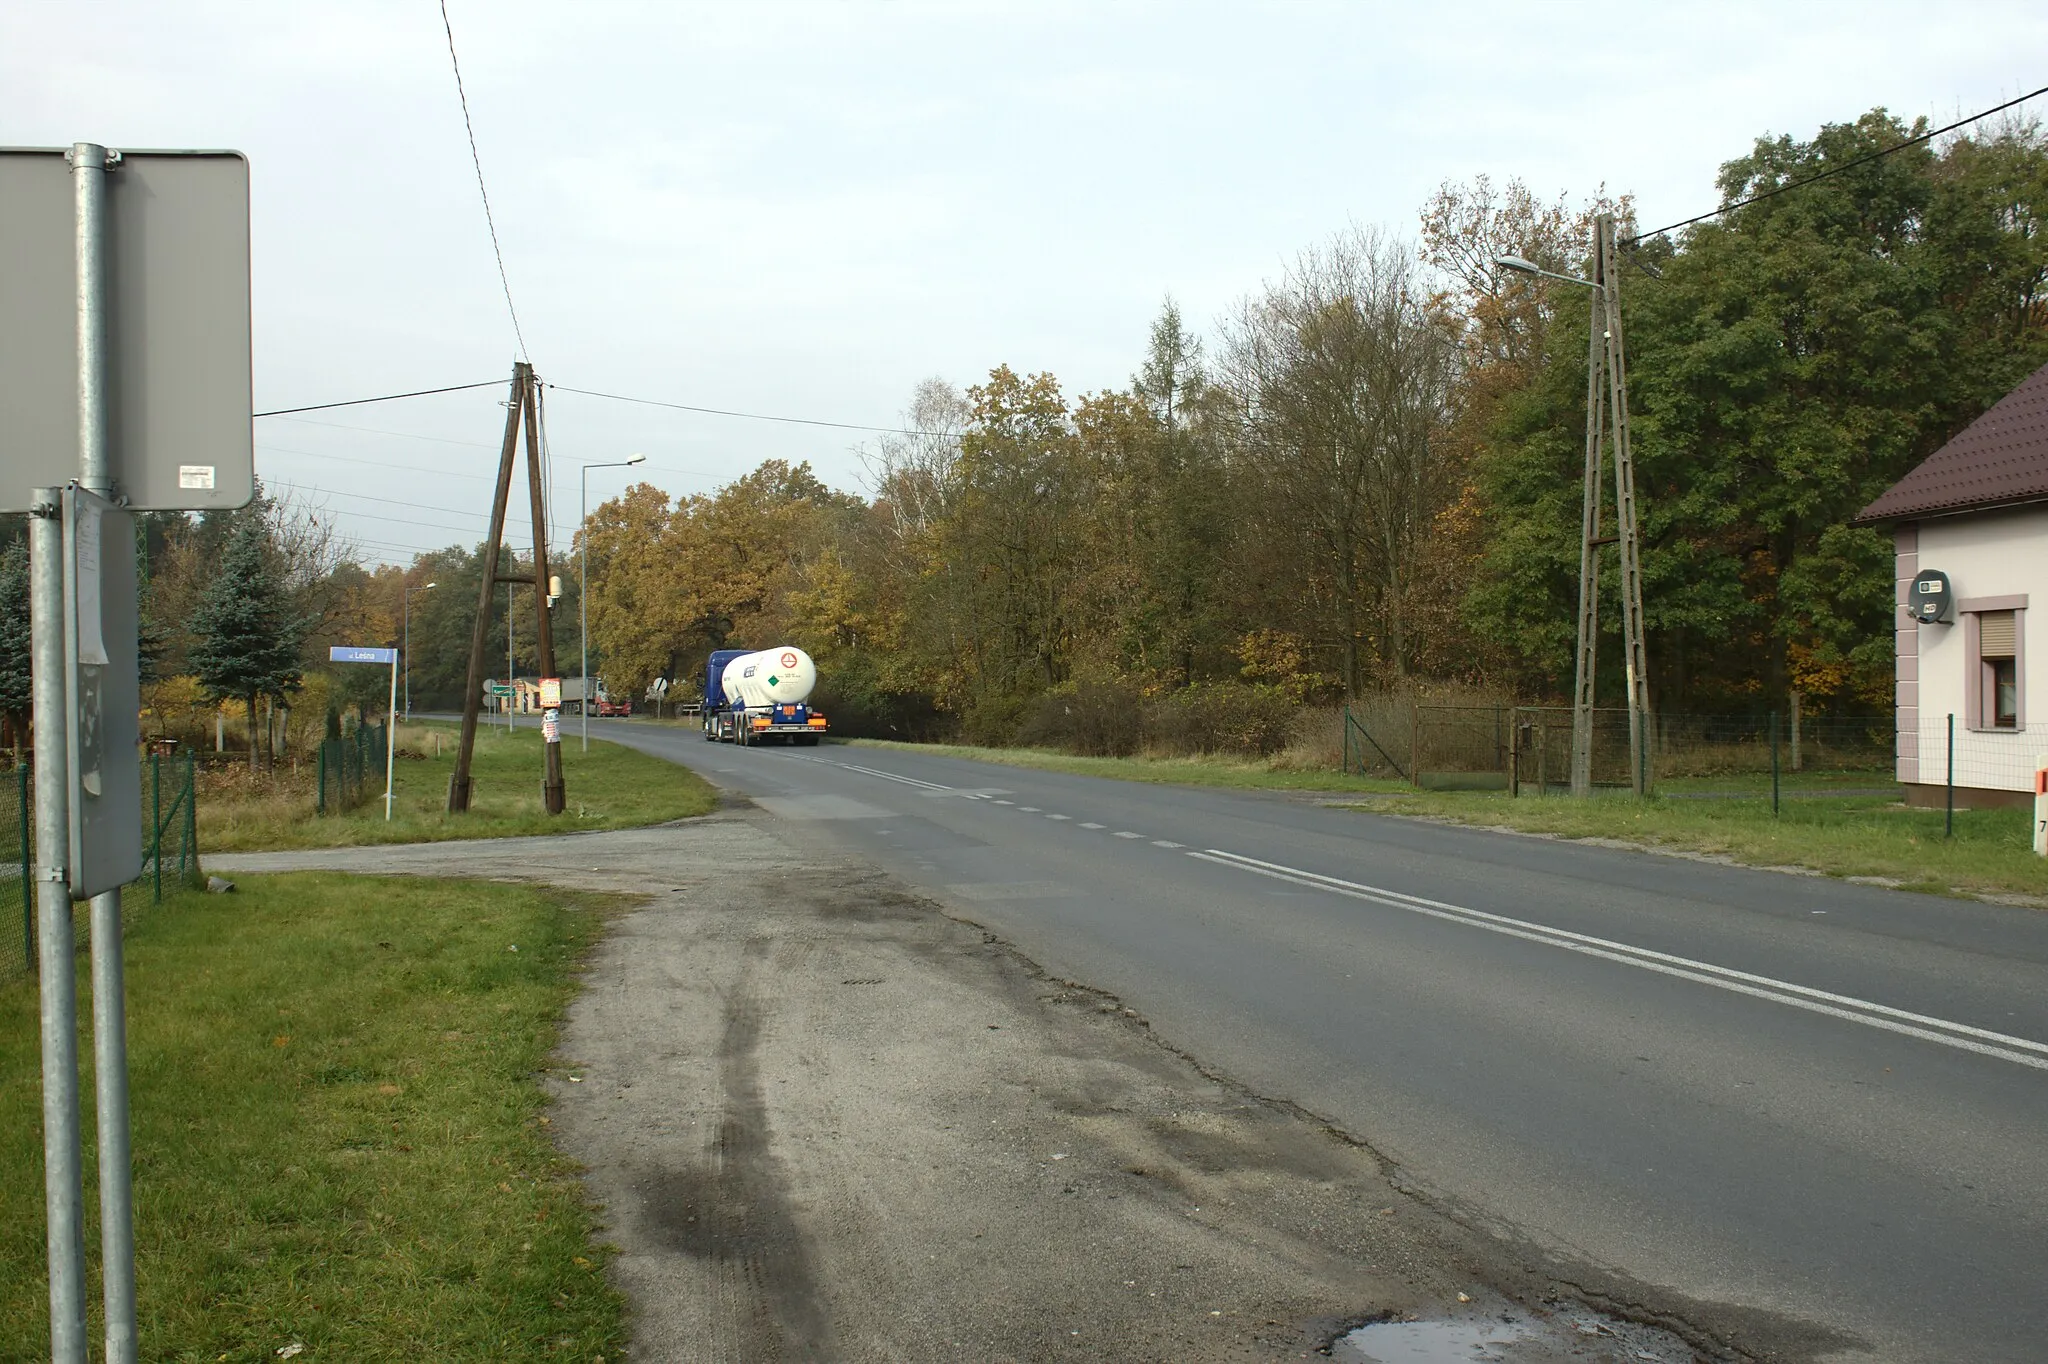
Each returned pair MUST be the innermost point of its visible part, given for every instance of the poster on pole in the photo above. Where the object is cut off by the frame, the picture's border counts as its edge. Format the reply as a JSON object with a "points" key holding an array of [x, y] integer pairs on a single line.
{"points": [[180, 395]]}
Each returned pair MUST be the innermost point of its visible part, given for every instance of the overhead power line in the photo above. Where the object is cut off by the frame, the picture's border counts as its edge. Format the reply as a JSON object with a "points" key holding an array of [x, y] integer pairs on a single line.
{"points": [[750, 416], [1865, 159], [382, 398], [489, 220]]}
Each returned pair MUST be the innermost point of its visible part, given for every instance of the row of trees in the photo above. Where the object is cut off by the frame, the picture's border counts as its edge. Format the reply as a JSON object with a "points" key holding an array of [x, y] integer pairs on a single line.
{"points": [[1368, 473], [1365, 475]]}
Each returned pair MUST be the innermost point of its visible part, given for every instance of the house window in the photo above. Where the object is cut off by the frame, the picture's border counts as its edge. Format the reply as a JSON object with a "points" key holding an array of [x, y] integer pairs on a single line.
{"points": [[1998, 669]]}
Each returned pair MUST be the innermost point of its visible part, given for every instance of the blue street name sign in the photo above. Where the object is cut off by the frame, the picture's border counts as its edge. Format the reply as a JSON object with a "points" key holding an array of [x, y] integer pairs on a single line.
{"points": [[349, 653]]}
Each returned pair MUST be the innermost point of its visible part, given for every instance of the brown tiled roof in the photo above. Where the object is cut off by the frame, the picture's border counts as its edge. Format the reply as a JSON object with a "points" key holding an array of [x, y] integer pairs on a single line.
{"points": [[1998, 459]]}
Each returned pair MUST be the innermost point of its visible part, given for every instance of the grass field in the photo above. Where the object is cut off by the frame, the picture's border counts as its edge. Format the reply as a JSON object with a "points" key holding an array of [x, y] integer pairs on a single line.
{"points": [[338, 1138], [610, 787]]}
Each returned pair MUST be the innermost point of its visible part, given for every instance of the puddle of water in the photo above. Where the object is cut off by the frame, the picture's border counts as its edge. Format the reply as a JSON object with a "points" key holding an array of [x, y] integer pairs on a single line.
{"points": [[1431, 1342], [1512, 1336]]}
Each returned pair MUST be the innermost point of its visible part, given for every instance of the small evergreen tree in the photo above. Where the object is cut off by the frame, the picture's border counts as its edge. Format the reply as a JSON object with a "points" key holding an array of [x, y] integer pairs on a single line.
{"points": [[245, 638], [14, 638]]}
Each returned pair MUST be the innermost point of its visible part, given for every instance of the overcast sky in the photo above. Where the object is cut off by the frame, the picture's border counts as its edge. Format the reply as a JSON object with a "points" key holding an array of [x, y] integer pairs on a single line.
{"points": [[803, 209]]}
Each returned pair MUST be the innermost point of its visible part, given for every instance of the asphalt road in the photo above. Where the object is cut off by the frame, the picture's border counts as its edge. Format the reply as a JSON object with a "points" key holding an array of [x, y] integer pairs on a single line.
{"points": [[1810, 1117]]}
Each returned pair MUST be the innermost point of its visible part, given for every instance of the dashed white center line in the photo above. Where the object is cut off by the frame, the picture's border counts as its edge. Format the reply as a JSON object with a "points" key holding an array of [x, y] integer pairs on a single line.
{"points": [[1006, 802], [1029, 809], [1166, 843], [1128, 834], [1087, 825], [1059, 816]]}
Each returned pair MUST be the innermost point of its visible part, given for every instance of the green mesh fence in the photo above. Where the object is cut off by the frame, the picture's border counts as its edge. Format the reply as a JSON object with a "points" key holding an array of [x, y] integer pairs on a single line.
{"points": [[170, 852]]}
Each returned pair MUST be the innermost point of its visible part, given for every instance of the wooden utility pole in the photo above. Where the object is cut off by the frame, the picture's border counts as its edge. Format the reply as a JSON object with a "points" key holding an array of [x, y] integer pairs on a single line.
{"points": [[522, 405]]}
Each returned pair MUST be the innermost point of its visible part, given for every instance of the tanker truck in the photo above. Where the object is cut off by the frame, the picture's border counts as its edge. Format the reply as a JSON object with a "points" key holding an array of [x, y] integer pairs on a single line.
{"points": [[761, 697]]}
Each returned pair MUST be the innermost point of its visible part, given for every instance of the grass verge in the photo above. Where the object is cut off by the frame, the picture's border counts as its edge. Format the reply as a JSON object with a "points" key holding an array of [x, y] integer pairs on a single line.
{"points": [[610, 787], [1848, 836], [338, 1139], [1243, 774]]}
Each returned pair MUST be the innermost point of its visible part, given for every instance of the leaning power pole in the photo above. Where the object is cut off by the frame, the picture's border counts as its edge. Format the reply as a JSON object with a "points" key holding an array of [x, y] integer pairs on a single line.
{"points": [[1607, 409], [522, 406]]}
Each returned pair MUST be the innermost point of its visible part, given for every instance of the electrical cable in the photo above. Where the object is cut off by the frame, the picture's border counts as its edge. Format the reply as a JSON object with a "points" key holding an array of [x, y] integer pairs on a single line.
{"points": [[750, 416], [1865, 159], [489, 220], [385, 398]]}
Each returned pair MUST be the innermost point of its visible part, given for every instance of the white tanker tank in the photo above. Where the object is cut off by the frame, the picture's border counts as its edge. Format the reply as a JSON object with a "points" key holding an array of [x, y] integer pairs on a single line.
{"points": [[763, 698], [770, 678]]}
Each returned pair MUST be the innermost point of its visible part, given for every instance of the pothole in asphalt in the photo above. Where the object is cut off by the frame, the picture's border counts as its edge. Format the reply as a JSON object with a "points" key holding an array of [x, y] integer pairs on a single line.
{"points": [[1513, 1336]]}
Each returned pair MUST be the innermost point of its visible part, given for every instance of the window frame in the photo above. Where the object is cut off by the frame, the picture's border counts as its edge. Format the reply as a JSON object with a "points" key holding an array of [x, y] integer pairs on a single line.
{"points": [[1980, 675]]}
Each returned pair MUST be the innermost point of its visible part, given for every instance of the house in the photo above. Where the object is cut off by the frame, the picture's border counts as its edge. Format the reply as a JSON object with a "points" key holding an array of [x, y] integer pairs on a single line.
{"points": [[1970, 540]]}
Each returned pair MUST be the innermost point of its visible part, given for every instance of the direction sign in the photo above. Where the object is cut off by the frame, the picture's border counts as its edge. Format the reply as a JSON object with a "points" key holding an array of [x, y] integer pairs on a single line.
{"points": [[177, 317], [500, 688], [353, 653]]}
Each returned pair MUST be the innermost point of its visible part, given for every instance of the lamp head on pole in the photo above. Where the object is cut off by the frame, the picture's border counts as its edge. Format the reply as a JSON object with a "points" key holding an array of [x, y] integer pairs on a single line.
{"points": [[636, 459], [1517, 264]]}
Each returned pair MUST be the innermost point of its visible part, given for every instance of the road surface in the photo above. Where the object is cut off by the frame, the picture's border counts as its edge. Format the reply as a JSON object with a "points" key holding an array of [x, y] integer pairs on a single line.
{"points": [[1808, 1116]]}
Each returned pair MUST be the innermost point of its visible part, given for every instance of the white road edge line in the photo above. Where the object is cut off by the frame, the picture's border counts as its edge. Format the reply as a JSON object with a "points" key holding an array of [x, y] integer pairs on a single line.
{"points": [[1705, 973]]}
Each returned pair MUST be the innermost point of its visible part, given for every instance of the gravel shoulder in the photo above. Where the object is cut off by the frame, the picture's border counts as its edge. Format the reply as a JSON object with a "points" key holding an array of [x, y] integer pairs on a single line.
{"points": [[827, 1120]]}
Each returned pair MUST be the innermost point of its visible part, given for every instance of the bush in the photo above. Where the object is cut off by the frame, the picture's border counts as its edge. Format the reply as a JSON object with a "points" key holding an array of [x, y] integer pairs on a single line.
{"points": [[1224, 717], [1095, 718]]}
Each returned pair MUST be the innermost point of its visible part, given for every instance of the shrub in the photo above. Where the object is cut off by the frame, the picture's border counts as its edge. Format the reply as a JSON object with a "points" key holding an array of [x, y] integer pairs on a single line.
{"points": [[1099, 719], [1224, 717]]}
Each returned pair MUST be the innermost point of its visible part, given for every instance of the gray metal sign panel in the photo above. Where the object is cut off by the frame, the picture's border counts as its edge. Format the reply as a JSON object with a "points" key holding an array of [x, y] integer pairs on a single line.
{"points": [[178, 278], [103, 718]]}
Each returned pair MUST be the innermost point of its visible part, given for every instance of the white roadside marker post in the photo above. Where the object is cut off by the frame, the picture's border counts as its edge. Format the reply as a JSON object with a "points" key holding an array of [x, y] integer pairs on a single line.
{"points": [[2041, 805]]}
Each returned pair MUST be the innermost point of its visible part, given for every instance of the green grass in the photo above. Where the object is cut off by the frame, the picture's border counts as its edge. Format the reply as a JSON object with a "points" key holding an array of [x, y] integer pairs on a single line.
{"points": [[1244, 774], [610, 787], [1863, 836], [338, 1137]]}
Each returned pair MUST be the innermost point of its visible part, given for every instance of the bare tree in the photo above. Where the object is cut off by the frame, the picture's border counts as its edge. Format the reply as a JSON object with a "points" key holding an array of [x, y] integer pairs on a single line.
{"points": [[1341, 378], [912, 474]]}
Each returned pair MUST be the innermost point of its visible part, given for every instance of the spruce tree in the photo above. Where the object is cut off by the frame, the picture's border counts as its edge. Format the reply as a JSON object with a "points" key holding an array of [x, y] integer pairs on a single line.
{"points": [[246, 638]]}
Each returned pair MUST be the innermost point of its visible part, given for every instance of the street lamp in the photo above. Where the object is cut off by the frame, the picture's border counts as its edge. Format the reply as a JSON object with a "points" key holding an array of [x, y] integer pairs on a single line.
{"points": [[407, 604], [1604, 356], [583, 587]]}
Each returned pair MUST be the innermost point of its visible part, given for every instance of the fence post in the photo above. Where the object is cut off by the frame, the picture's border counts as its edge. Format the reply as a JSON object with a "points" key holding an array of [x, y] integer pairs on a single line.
{"points": [[156, 824], [1347, 738], [189, 852], [1948, 828], [320, 779], [1774, 764], [1543, 760], [28, 888], [1515, 755], [1415, 746]]}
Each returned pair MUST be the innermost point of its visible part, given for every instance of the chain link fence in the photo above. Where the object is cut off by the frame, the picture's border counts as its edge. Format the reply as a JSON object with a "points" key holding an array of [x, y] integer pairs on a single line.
{"points": [[170, 852], [1528, 750], [343, 767]]}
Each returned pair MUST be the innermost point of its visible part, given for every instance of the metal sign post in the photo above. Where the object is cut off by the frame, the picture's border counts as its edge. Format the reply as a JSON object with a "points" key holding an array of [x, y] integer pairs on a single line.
{"points": [[124, 383]]}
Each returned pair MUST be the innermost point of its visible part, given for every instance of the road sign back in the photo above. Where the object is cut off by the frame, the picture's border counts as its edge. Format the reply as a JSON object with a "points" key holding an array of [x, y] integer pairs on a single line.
{"points": [[177, 307]]}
